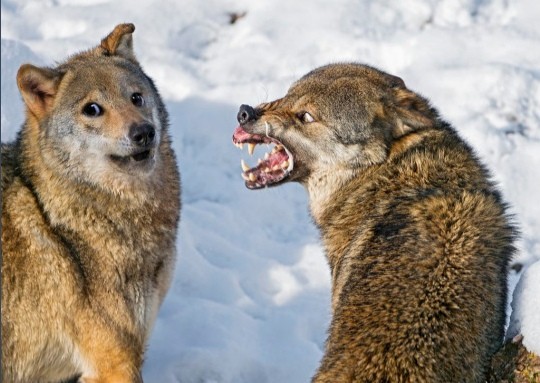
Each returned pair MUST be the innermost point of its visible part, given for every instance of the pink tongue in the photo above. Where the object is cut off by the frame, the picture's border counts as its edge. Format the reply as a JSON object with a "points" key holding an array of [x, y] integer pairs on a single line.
{"points": [[277, 158]]}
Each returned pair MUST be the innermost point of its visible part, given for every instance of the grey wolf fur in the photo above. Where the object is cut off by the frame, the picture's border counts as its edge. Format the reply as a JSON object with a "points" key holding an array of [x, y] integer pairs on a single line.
{"points": [[416, 234], [90, 209]]}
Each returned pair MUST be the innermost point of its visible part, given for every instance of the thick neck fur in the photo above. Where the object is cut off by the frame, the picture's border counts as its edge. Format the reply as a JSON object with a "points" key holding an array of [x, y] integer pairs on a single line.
{"points": [[322, 187]]}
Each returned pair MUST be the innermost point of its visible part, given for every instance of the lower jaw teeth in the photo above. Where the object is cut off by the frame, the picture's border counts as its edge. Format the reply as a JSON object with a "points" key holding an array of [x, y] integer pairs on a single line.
{"points": [[251, 177]]}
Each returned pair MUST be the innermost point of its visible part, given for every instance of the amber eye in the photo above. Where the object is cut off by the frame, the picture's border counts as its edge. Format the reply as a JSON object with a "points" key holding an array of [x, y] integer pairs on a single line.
{"points": [[306, 117], [137, 99], [92, 110]]}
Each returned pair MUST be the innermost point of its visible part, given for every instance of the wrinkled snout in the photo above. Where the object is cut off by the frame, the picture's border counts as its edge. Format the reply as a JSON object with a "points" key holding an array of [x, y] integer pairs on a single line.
{"points": [[245, 114], [142, 135]]}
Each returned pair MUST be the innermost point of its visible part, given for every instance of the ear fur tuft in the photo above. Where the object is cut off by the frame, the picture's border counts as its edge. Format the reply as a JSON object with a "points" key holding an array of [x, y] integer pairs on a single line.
{"points": [[119, 42], [413, 112], [38, 87]]}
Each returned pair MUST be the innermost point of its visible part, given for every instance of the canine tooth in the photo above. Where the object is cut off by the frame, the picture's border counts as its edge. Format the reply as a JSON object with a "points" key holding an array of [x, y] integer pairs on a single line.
{"points": [[285, 164], [259, 161], [251, 148], [241, 145], [244, 165], [252, 177], [246, 178]]}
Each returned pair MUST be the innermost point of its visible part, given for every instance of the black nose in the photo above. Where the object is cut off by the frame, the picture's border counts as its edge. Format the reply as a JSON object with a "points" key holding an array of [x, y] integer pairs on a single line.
{"points": [[245, 114], [142, 134]]}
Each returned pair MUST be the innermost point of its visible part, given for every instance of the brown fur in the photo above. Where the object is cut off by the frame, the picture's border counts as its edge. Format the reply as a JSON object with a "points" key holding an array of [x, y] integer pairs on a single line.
{"points": [[513, 363], [415, 232], [88, 242]]}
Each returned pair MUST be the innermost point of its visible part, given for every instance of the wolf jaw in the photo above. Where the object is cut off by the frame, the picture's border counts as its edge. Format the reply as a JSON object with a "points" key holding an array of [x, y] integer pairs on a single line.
{"points": [[276, 166], [141, 155]]}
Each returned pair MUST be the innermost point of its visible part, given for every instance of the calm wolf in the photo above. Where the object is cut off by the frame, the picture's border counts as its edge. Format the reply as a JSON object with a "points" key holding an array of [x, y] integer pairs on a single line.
{"points": [[90, 209], [416, 234]]}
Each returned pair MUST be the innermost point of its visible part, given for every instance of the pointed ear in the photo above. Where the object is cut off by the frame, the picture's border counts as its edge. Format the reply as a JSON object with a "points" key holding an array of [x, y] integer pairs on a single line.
{"points": [[413, 111], [119, 42], [38, 87]]}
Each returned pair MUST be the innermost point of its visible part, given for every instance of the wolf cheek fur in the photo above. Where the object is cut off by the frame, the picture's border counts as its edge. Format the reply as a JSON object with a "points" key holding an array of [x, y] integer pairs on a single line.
{"points": [[90, 209], [416, 235]]}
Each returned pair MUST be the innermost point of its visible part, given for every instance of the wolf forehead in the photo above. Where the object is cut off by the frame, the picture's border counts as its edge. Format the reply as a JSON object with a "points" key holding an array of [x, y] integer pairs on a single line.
{"points": [[344, 78], [103, 74], [340, 88]]}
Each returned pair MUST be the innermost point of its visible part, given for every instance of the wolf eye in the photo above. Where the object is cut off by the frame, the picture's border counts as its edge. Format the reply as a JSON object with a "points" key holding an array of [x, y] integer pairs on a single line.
{"points": [[92, 110], [306, 117], [137, 99]]}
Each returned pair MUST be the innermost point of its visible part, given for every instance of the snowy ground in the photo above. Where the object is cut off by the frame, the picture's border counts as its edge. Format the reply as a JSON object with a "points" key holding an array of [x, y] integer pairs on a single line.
{"points": [[250, 300]]}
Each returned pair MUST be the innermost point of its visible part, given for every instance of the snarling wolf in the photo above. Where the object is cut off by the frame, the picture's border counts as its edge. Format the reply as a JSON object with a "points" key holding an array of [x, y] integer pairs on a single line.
{"points": [[415, 232], [90, 208]]}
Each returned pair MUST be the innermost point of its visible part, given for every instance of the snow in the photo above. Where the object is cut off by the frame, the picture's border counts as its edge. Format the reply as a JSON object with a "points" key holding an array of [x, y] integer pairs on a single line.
{"points": [[525, 317], [250, 301]]}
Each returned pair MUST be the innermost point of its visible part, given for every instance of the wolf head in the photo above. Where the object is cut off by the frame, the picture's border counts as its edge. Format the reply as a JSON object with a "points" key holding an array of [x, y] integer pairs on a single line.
{"points": [[97, 117], [337, 117]]}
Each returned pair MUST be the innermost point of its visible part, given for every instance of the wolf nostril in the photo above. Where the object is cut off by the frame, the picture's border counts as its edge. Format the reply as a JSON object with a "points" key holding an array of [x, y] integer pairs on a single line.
{"points": [[245, 114], [142, 135]]}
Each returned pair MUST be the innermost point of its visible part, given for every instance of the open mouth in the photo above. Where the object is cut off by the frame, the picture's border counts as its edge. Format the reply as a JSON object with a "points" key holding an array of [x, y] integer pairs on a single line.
{"points": [[139, 157], [276, 165]]}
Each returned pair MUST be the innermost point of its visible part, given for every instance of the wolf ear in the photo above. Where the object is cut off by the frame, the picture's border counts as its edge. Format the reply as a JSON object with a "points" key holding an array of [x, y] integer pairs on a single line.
{"points": [[38, 87], [119, 42], [413, 112]]}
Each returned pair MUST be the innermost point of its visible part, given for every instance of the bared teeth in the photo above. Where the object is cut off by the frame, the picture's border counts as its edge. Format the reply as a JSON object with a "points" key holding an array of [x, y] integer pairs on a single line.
{"points": [[259, 161], [267, 170], [285, 164], [276, 167], [266, 156], [252, 177], [244, 165], [246, 178], [239, 145], [251, 148]]}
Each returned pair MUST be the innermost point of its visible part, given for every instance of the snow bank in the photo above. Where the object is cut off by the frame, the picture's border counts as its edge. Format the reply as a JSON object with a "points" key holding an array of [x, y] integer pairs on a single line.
{"points": [[525, 317]]}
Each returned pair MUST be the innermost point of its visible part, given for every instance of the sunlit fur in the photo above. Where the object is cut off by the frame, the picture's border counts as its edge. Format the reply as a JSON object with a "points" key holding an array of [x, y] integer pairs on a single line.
{"points": [[88, 244]]}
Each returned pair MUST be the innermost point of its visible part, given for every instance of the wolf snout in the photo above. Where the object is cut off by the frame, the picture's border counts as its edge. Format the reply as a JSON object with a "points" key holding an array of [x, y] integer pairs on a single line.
{"points": [[245, 114], [142, 134]]}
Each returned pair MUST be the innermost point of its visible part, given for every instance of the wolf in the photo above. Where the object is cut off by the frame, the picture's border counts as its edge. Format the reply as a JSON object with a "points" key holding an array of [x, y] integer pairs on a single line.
{"points": [[416, 233], [90, 209]]}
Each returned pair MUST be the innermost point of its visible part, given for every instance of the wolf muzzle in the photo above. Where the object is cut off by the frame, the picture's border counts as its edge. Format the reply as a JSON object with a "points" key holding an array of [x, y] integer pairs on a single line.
{"points": [[142, 135], [245, 114]]}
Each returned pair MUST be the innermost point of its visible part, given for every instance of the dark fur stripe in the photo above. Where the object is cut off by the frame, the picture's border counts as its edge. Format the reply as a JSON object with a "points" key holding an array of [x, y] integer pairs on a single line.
{"points": [[57, 232]]}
